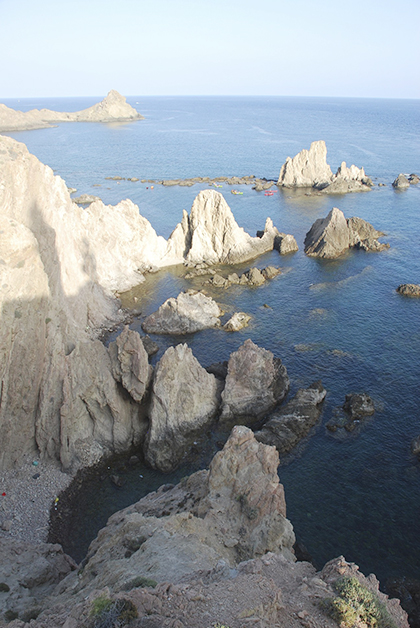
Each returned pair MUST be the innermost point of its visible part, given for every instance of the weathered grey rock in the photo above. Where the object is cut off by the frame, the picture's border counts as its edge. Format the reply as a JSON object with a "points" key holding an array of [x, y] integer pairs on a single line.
{"points": [[237, 322], [130, 363], [256, 382], [332, 236], [415, 446], [308, 168], [414, 179], [211, 234], [328, 237], [401, 182], [232, 512], [95, 419], [288, 425], [356, 407], [285, 244], [270, 272], [30, 573], [150, 345], [188, 313], [255, 277], [113, 108], [184, 402], [409, 289]]}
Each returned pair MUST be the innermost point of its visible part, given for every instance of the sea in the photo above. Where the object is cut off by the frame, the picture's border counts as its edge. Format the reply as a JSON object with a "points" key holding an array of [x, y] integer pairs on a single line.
{"points": [[340, 321]]}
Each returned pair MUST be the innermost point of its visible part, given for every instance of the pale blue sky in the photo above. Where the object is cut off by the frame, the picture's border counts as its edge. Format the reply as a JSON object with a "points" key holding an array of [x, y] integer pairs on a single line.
{"points": [[364, 48]]}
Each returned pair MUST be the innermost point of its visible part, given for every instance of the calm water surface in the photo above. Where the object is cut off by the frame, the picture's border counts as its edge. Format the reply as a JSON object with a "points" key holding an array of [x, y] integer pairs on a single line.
{"points": [[340, 321]]}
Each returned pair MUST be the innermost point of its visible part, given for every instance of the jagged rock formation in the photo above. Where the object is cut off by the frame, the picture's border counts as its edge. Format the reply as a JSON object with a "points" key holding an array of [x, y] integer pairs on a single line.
{"points": [[332, 236], [113, 108], [256, 382], [130, 363], [292, 422], [309, 168], [189, 312], [184, 401], [401, 182], [409, 289], [237, 322], [357, 406], [252, 277], [210, 234]]}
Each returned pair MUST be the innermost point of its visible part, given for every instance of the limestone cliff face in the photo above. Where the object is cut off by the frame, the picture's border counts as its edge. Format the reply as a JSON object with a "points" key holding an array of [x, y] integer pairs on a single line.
{"points": [[113, 108]]}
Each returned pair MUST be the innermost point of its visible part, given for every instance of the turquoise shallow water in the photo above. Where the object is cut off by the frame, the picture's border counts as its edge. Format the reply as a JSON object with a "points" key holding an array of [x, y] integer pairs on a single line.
{"points": [[358, 496]]}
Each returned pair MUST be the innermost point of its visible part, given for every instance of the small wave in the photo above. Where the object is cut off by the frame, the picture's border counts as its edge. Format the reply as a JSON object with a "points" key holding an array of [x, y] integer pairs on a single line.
{"points": [[342, 282]]}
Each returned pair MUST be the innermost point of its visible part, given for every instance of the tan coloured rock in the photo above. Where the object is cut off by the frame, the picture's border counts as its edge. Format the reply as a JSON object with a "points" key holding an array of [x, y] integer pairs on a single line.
{"points": [[237, 322], [308, 168], [184, 401], [285, 244], [401, 182], [256, 382], [409, 289], [130, 363], [189, 312], [113, 108]]}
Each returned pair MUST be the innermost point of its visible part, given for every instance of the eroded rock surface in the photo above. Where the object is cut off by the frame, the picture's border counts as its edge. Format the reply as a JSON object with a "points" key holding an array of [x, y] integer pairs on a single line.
{"points": [[292, 422], [309, 168], [184, 401], [237, 322], [332, 236], [409, 289], [130, 363], [189, 312], [256, 382], [401, 182]]}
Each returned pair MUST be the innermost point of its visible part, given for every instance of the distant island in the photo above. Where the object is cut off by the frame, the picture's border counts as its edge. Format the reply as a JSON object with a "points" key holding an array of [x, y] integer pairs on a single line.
{"points": [[113, 108]]}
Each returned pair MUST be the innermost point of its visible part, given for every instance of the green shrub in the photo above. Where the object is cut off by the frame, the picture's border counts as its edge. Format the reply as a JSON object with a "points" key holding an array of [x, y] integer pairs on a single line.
{"points": [[112, 614], [138, 582], [355, 603], [10, 615]]}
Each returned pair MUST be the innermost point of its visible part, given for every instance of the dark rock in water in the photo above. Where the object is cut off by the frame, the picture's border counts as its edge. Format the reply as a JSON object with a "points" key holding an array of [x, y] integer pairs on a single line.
{"points": [[414, 179], [407, 590], [290, 424], [409, 289], [150, 345], [356, 407], [415, 446], [117, 480], [256, 382], [401, 182]]}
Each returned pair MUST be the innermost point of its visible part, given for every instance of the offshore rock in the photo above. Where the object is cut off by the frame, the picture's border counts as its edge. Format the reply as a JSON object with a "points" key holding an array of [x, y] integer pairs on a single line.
{"points": [[184, 402], [285, 244], [415, 446], [130, 363], [401, 182], [237, 322], [310, 169], [256, 382], [211, 234], [113, 108], [287, 426], [189, 312], [234, 511], [358, 405], [332, 236], [409, 289]]}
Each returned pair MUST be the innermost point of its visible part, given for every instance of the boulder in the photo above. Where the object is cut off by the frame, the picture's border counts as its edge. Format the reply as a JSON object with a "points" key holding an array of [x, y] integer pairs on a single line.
{"points": [[288, 425], [270, 272], [356, 407], [237, 322], [130, 363], [233, 512], [255, 277], [415, 446], [414, 179], [285, 244], [189, 312], [256, 382], [401, 182], [409, 289], [184, 402], [332, 236], [85, 199]]}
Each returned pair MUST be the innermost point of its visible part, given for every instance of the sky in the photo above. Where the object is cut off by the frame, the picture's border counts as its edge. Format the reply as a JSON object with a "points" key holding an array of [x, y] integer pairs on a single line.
{"points": [[363, 48]]}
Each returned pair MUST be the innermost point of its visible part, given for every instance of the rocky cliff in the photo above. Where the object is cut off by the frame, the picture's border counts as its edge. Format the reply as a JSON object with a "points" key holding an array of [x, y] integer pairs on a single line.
{"points": [[113, 108], [61, 265]]}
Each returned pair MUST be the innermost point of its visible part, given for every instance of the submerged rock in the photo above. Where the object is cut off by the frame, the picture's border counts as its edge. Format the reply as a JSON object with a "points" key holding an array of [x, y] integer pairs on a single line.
{"points": [[184, 402], [188, 313], [287, 426], [409, 289], [332, 236], [256, 382], [356, 407]]}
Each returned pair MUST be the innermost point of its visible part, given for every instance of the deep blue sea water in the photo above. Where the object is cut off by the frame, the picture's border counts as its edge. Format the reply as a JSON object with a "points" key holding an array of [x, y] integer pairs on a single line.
{"points": [[358, 496]]}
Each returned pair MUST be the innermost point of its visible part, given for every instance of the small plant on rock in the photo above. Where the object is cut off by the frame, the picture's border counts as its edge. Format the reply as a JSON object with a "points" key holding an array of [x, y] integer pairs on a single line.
{"points": [[356, 605], [108, 613]]}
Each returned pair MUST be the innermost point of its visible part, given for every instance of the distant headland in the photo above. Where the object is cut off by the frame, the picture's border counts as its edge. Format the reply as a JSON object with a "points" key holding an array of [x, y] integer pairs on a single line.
{"points": [[113, 108]]}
